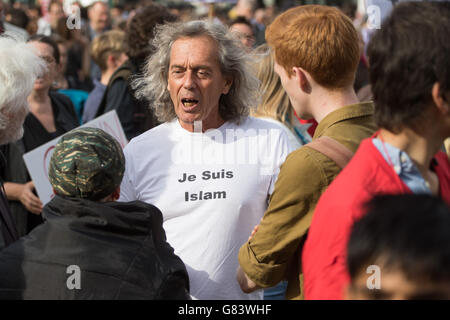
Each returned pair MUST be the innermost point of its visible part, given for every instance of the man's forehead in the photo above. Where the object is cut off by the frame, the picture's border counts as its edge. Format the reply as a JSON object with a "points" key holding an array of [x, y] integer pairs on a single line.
{"points": [[185, 47], [241, 27], [55, 7], [187, 40], [99, 7]]}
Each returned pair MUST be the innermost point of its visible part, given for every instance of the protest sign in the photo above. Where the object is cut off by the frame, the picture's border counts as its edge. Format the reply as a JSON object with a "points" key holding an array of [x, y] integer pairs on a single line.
{"points": [[38, 159]]}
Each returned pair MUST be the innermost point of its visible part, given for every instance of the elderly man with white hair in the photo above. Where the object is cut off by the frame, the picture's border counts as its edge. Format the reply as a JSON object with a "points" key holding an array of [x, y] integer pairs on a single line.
{"points": [[19, 68]]}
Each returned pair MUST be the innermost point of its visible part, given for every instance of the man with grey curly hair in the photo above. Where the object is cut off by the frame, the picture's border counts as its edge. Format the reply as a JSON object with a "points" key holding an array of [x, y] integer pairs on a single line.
{"points": [[19, 68], [210, 167]]}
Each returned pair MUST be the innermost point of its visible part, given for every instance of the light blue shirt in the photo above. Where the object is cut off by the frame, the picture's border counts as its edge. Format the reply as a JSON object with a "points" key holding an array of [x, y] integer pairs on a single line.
{"points": [[403, 166]]}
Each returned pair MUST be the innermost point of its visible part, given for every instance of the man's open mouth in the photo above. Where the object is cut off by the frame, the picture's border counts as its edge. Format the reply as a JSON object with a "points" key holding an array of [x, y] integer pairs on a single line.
{"points": [[189, 102]]}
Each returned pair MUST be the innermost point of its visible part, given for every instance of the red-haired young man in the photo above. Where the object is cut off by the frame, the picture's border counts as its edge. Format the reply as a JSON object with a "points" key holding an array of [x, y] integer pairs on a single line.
{"points": [[316, 56]]}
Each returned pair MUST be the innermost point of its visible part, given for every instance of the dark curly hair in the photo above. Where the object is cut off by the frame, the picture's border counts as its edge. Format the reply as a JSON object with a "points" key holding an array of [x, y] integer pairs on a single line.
{"points": [[140, 30], [406, 233], [407, 56]]}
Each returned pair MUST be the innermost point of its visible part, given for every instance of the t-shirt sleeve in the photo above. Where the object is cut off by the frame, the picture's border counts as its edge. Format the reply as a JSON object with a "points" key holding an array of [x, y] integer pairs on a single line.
{"points": [[127, 188], [266, 257]]}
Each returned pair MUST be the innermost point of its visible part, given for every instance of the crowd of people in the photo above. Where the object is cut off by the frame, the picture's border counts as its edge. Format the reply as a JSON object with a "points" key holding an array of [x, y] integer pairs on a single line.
{"points": [[272, 154]]}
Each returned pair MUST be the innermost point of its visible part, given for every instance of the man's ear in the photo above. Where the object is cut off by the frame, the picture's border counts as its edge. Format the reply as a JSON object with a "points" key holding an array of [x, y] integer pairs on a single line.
{"points": [[112, 61], [440, 100], [302, 78], [228, 84], [59, 66]]}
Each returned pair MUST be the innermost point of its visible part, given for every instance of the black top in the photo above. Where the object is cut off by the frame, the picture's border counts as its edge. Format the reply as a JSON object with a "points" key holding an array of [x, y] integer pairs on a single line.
{"points": [[35, 133], [34, 136], [120, 249], [8, 232]]}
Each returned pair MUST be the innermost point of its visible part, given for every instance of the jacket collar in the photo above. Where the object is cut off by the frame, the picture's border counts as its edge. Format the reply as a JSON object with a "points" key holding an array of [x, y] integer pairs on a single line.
{"points": [[136, 216], [348, 112]]}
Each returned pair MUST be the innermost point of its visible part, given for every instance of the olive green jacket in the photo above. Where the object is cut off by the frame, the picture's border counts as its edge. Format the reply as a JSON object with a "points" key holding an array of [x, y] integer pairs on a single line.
{"points": [[274, 252]]}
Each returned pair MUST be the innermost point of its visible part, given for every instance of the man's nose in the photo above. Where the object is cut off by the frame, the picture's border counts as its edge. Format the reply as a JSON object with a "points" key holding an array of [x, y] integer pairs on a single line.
{"points": [[189, 81]]}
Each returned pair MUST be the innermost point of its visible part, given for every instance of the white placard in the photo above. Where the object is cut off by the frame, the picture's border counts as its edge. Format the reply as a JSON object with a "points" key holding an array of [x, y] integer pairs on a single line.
{"points": [[38, 159]]}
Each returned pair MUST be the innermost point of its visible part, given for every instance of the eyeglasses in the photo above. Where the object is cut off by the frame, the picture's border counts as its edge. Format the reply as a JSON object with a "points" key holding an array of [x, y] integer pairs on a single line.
{"points": [[241, 35], [48, 59]]}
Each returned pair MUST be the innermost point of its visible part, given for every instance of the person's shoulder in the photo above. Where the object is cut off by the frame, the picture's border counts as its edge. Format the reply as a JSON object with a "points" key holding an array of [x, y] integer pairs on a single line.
{"points": [[60, 98], [138, 206], [260, 123], [305, 164], [358, 124], [136, 212], [122, 73], [305, 157], [361, 174], [270, 129], [116, 86], [154, 135]]}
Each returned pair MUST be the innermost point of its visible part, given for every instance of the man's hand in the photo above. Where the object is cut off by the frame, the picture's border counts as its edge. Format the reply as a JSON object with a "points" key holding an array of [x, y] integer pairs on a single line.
{"points": [[254, 230], [246, 284], [29, 199]]}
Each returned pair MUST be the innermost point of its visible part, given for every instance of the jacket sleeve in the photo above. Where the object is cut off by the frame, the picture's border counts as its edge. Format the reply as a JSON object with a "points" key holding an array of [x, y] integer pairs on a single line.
{"points": [[174, 287], [267, 256]]}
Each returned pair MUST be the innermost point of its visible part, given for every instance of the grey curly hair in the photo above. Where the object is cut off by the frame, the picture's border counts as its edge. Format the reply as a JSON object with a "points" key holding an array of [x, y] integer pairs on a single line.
{"points": [[152, 84]]}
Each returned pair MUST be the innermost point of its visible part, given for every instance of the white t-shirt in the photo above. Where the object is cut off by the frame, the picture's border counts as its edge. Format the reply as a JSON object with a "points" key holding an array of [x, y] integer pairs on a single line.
{"points": [[293, 139], [211, 188]]}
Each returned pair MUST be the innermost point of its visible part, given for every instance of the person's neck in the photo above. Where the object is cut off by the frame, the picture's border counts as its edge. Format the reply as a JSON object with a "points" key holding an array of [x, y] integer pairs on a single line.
{"points": [[54, 25], [202, 126], [420, 147], [106, 76], [324, 101], [95, 30], [39, 96], [61, 82], [39, 100]]}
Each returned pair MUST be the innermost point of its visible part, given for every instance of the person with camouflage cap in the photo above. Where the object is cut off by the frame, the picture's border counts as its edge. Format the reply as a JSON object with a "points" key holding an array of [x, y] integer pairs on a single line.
{"points": [[119, 248], [87, 163]]}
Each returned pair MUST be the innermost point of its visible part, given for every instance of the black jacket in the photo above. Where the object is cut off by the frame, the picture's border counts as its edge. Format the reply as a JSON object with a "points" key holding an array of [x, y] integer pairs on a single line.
{"points": [[120, 249], [8, 231], [135, 115]]}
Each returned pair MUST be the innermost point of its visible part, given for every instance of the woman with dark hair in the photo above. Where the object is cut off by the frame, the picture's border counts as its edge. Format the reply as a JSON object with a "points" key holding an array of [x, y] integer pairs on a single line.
{"points": [[51, 115]]}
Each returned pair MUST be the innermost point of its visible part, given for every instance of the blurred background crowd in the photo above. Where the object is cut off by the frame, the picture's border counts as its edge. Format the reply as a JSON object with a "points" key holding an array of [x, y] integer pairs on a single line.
{"points": [[74, 25]]}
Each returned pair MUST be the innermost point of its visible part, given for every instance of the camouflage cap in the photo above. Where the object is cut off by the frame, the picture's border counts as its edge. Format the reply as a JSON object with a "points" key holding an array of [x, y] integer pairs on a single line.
{"points": [[86, 163]]}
